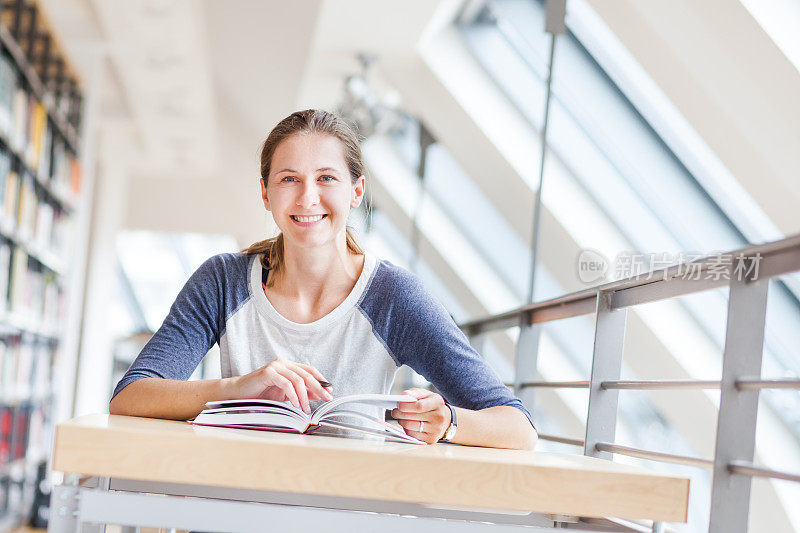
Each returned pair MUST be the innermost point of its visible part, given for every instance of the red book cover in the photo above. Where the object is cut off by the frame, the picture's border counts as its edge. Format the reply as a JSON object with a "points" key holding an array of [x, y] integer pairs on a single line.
{"points": [[5, 435], [20, 440]]}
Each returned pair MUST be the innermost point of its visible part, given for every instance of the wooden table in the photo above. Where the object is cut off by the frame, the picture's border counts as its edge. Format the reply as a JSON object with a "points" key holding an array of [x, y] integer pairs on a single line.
{"points": [[305, 467]]}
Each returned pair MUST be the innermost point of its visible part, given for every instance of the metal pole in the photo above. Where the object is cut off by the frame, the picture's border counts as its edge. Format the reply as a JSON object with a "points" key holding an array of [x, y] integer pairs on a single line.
{"points": [[537, 208], [779, 383], [738, 409], [746, 469], [655, 456], [609, 339], [526, 359]]}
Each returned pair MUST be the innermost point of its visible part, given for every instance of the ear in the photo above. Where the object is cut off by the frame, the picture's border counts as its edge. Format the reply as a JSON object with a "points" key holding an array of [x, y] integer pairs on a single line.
{"points": [[358, 192], [264, 194]]}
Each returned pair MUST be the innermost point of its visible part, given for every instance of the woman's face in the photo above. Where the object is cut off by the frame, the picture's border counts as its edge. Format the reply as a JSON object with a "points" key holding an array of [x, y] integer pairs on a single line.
{"points": [[309, 190]]}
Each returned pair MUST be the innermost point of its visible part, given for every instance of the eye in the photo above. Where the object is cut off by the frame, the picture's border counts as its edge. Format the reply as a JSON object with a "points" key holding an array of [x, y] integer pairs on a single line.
{"points": [[288, 178], [327, 178]]}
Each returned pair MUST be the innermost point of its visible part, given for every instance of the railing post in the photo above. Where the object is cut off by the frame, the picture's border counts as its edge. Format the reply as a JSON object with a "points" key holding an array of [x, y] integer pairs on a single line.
{"points": [[738, 409], [609, 338], [526, 360]]}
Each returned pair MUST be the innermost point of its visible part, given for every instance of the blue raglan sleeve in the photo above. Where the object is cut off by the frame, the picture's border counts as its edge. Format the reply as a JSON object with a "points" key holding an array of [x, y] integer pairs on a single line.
{"points": [[420, 333], [194, 323]]}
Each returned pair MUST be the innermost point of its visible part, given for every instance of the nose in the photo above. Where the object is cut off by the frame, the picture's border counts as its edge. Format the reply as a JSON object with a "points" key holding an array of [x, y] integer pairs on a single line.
{"points": [[309, 194]]}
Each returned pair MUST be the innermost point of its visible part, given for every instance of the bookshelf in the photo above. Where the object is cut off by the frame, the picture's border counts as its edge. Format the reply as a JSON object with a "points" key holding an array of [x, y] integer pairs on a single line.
{"points": [[40, 188]]}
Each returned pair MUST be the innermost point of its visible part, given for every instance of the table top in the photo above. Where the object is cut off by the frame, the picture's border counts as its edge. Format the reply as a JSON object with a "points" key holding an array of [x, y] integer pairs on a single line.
{"points": [[441, 474]]}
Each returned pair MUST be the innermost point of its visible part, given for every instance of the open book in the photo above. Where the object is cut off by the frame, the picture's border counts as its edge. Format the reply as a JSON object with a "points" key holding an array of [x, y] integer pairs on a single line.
{"points": [[271, 415]]}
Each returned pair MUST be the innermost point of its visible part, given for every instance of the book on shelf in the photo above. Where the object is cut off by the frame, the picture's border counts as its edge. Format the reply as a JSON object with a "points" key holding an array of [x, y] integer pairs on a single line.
{"points": [[19, 134], [75, 175], [5, 267], [43, 225], [26, 210], [19, 439], [6, 427], [11, 196], [272, 415], [8, 87], [5, 170], [51, 300], [43, 169], [66, 172], [17, 280], [37, 127]]}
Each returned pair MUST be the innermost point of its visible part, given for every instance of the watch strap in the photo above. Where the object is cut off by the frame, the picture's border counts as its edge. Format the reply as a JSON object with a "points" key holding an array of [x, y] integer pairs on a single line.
{"points": [[451, 429]]}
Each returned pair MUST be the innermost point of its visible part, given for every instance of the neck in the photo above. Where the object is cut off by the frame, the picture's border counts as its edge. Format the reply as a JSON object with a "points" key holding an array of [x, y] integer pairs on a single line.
{"points": [[308, 273]]}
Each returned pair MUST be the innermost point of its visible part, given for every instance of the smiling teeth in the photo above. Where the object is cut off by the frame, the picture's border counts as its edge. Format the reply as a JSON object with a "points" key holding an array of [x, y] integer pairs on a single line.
{"points": [[309, 219]]}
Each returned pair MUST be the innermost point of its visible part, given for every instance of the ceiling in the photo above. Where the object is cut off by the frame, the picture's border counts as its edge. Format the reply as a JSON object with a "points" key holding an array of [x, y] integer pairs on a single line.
{"points": [[189, 89]]}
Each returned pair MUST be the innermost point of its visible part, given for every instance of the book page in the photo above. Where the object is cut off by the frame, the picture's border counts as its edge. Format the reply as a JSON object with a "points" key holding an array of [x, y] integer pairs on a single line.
{"points": [[377, 424], [258, 404], [250, 419], [277, 410], [369, 431], [387, 401]]}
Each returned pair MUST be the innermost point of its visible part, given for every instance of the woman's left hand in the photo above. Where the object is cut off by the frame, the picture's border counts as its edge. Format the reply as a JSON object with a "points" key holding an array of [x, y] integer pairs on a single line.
{"points": [[429, 413]]}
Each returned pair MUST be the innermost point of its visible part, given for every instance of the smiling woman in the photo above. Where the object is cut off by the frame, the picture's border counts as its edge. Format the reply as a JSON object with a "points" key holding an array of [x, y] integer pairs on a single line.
{"points": [[310, 306], [310, 158]]}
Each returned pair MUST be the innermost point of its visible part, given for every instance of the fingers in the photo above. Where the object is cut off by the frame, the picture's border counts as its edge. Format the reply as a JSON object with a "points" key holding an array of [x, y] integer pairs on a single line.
{"points": [[276, 379], [418, 393], [317, 375], [426, 401], [397, 414], [291, 383], [428, 413], [313, 371], [316, 391], [412, 428], [431, 419], [300, 383]]}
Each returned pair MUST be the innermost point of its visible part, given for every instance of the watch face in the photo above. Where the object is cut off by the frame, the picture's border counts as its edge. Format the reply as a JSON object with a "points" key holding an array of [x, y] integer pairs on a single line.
{"points": [[451, 432]]}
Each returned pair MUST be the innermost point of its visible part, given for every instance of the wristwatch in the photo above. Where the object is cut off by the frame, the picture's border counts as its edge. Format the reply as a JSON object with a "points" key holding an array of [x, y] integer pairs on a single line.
{"points": [[451, 431]]}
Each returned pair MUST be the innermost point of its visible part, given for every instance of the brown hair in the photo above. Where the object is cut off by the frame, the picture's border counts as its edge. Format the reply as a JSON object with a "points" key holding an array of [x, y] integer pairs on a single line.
{"points": [[304, 123]]}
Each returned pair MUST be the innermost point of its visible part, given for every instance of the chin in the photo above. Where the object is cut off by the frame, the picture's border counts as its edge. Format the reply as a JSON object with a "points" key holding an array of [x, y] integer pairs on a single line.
{"points": [[311, 243]]}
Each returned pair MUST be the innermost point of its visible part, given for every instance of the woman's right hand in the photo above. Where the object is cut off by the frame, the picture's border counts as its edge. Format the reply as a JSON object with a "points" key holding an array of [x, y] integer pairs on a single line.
{"points": [[283, 380]]}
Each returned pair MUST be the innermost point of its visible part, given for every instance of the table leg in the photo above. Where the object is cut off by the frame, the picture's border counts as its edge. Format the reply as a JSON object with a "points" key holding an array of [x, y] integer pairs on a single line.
{"points": [[65, 508]]}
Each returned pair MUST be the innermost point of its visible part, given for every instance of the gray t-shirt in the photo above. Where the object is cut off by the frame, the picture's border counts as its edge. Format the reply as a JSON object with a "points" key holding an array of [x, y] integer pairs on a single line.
{"points": [[389, 319]]}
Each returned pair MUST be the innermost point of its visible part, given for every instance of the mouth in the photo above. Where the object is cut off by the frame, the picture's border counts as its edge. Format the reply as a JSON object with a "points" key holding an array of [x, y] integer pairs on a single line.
{"points": [[307, 220]]}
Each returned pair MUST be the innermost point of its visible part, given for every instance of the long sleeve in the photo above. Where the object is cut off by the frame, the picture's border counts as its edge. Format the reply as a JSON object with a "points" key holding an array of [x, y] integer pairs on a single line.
{"points": [[195, 322], [420, 333]]}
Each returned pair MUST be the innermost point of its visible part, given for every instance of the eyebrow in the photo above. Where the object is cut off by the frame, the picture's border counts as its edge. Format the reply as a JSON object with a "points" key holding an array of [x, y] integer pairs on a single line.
{"points": [[323, 169]]}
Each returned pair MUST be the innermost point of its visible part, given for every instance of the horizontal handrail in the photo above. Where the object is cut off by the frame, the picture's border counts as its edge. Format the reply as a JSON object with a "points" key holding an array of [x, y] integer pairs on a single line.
{"points": [[647, 287], [746, 384], [660, 384], [666, 384], [654, 456], [748, 469], [562, 440], [556, 384]]}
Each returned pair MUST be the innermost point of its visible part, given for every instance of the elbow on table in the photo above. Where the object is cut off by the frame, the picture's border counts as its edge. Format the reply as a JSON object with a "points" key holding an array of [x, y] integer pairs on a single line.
{"points": [[531, 438], [119, 405], [114, 406]]}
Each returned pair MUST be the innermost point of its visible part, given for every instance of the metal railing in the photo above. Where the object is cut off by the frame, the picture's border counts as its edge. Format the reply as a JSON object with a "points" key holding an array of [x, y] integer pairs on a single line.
{"points": [[739, 386]]}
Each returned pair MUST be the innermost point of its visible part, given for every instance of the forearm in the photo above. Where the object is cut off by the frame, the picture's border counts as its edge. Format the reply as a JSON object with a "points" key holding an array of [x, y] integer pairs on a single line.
{"points": [[496, 427], [169, 398]]}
